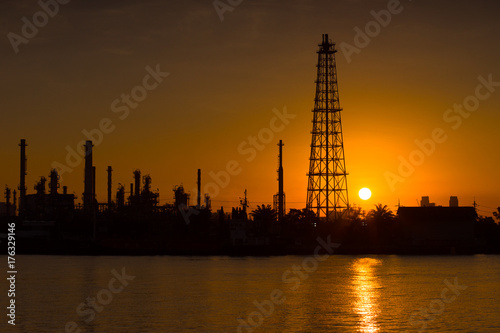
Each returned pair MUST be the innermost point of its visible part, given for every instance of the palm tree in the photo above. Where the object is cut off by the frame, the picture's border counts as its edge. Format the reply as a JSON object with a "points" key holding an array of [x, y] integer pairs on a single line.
{"points": [[265, 218], [264, 213], [380, 222], [381, 213]]}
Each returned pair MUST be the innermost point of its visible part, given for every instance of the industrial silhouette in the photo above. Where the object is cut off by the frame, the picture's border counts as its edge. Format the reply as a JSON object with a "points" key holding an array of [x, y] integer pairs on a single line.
{"points": [[135, 225], [327, 184]]}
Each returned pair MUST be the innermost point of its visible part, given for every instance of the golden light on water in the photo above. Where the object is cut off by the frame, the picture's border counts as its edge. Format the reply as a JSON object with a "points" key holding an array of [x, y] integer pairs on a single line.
{"points": [[366, 286]]}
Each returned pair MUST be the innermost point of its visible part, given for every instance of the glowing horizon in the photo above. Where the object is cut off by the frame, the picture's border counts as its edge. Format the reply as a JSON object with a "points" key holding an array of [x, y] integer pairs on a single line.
{"points": [[226, 78]]}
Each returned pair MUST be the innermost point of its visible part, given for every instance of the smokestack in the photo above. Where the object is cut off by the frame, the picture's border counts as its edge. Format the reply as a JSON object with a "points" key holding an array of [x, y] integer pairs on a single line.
{"points": [[22, 184], [88, 198], [281, 194], [199, 189], [65, 190], [137, 176], [109, 186]]}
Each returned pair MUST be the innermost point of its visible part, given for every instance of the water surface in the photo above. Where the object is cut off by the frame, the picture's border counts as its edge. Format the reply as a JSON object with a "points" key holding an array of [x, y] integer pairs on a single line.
{"points": [[220, 294]]}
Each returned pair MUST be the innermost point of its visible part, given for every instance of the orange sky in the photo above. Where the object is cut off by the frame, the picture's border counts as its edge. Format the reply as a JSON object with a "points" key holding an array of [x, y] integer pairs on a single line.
{"points": [[226, 78]]}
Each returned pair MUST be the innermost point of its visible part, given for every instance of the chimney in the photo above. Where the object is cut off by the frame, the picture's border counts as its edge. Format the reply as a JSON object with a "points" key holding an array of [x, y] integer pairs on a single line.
{"points": [[281, 194], [22, 184], [199, 189], [88, 191], [109, 186]]}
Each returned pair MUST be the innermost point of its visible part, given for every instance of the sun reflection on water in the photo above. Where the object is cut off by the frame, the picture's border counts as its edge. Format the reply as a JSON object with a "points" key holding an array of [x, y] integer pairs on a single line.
{"points": [[366, 286]]}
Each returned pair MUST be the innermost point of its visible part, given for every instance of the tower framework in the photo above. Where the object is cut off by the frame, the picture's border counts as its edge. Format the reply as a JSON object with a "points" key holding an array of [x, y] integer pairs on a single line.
{"points": [[327, 178]]}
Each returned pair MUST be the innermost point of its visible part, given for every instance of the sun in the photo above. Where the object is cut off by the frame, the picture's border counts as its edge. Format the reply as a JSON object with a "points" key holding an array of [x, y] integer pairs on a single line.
{"points": [[365, 193]]}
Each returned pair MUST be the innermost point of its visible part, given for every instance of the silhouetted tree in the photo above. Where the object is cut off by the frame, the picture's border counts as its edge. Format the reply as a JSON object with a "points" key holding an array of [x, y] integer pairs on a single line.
{"points": [[355, 215], [299, 228], [497, 214], [379, 222], [263, 213], [264, 217], [487, 232], [352, 230], [300, 220], [381, 214]]}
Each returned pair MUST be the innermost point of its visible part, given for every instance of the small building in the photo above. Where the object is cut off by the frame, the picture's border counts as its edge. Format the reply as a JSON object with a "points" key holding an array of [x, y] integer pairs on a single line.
{"points": [[437, 229], [426, 203], [453, 201]]}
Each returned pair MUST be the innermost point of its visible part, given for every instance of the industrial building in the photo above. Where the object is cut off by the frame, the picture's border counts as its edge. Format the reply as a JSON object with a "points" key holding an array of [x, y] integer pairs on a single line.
{"points": [[436, 228]]}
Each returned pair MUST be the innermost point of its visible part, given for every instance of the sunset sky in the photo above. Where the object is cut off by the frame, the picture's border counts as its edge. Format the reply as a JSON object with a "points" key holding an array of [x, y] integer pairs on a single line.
{"points": [[227, 76]]}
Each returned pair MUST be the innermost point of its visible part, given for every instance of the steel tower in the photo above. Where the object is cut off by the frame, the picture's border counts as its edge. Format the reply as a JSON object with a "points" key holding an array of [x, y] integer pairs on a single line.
{"points": [[327, 183]]}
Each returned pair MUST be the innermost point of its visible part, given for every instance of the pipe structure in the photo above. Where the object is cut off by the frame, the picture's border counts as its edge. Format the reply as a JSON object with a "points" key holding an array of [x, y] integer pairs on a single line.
{"points": [[22, 184], [199, 190], [281, 194], [88, 198], [110, 170]]}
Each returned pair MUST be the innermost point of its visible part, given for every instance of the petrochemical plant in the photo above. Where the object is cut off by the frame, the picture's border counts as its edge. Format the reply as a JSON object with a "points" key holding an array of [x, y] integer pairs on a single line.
{"points": [[49, 222]]}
